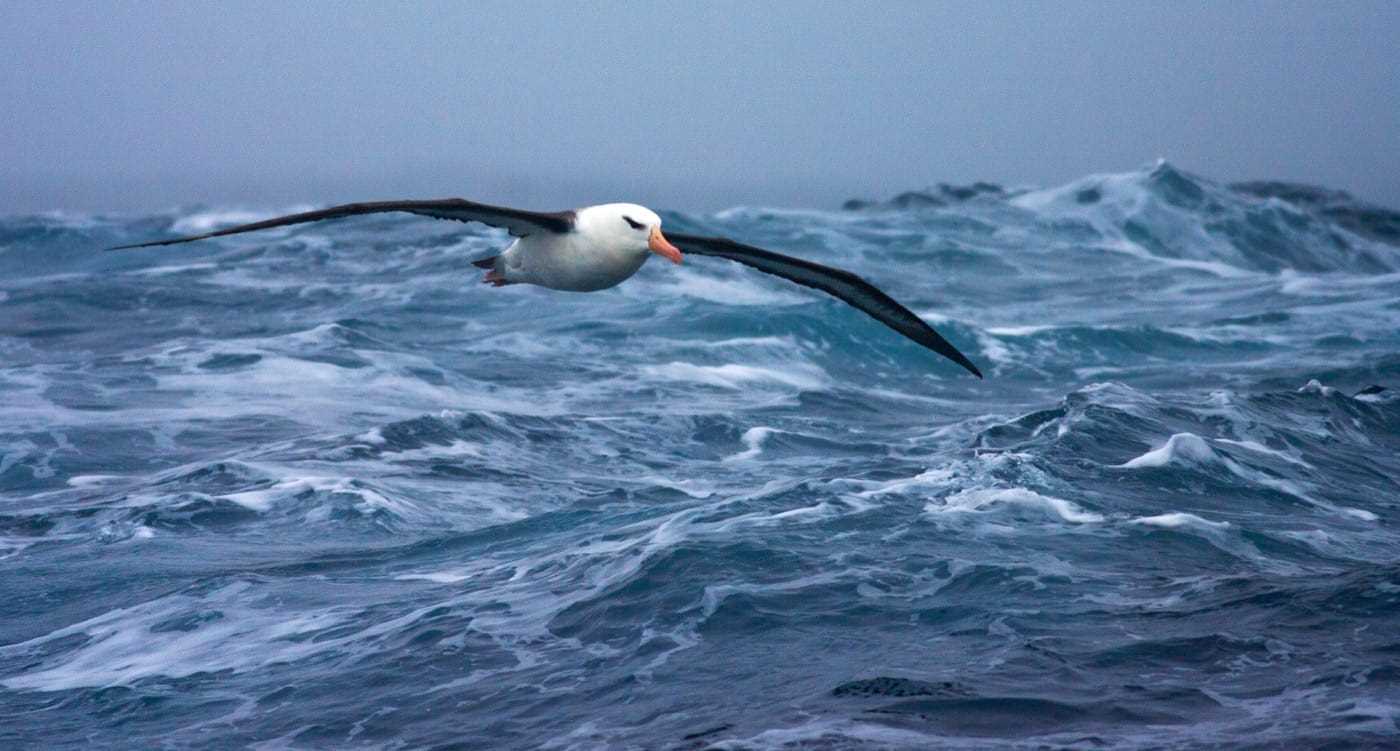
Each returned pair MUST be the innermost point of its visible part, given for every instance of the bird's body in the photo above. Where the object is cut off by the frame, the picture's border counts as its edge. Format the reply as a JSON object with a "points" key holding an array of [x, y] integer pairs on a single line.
{"points": [[597, 247], [594, 256]]}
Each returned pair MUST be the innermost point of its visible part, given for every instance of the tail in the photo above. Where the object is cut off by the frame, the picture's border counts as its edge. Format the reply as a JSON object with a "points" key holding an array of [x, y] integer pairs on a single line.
{"points": [[493, 277]]}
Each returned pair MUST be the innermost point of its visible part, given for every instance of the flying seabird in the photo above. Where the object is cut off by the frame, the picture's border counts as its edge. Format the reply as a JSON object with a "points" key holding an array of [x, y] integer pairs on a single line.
{"points": [[593, 248]]}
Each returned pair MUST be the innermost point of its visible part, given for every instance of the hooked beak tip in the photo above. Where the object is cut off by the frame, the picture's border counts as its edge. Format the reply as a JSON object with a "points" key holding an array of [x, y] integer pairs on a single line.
{"points": [[663, 247]]}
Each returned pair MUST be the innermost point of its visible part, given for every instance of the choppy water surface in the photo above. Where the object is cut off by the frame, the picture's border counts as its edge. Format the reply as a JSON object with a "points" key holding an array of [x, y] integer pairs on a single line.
{"points": [[321, 489]]}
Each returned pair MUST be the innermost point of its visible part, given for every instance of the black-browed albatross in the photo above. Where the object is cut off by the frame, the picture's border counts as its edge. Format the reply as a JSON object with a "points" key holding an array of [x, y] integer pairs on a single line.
{"points": [[597, 247]]}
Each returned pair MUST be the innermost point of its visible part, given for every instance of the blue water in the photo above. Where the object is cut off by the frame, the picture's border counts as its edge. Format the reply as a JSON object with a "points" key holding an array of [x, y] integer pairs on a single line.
{"points": [[319, 488]]}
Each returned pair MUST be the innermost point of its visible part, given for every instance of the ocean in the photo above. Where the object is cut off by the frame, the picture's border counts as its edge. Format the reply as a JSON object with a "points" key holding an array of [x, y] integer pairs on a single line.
{"points": [[320, 488]]}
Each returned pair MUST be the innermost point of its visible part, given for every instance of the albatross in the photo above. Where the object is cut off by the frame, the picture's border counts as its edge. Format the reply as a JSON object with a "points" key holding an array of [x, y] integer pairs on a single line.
{"points": [[597, 247]]}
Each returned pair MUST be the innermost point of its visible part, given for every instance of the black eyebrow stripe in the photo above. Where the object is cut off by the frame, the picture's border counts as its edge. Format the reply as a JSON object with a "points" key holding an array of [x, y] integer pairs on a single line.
{"points": [[632, 222]]}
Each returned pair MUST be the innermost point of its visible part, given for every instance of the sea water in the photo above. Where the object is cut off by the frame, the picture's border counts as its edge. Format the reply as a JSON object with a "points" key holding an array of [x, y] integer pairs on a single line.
{"points": [[319, 488]]}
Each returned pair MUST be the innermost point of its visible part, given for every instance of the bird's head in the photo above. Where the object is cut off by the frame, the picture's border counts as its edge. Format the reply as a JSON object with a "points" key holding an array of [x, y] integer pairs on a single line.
{"points": [[629, 226]]}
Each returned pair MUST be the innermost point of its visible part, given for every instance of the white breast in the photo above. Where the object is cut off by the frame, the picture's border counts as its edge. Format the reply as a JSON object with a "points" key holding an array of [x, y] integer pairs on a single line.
{"points": [[569, 262]]}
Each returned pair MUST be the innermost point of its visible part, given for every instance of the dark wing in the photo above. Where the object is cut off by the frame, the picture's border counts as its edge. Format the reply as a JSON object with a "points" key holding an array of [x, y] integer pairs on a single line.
{"points": [[516, 221], [835, 282]]}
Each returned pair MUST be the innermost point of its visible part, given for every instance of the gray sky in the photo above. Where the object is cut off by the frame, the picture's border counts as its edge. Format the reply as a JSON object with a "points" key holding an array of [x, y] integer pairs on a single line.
{"points": [[130, 106]]}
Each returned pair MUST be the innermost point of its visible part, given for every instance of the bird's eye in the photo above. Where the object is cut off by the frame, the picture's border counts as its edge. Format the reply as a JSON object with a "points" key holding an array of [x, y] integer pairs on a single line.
{"points": [[632, 223]]}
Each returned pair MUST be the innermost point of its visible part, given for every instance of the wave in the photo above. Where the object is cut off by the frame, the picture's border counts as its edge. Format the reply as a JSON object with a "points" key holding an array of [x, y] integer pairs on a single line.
{"points": [[1164, 213], [323, 489]]}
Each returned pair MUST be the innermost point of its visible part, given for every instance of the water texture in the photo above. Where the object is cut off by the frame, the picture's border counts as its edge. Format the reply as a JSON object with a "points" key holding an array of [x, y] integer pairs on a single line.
{"points": [[319, 488]]}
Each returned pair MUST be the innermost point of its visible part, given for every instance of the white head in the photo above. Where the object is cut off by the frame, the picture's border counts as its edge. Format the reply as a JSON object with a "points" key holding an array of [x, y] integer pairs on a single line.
{"points": [[626, 226]]}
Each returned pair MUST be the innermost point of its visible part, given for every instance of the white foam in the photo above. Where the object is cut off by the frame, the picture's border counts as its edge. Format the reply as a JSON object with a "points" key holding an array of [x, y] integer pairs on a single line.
{"points": [[13, 546], [374, 437], [1120, 396], [72, 219], [1096, 371], [455, 449], [1126, 198], [1189, 449], [1260, 448], [1182, 448], [438, 577], [207, 221], [264, 499], [937, 477], [716, 594], [753, 441], [978, 499], [1315, 386], [83, 481], [1018, 331], [816, 731], [737, 290], [799, 515], [994, 349], [317, 392], [256, 500], [121, 646], [1292, 282], [735, 376], [691, 487], [174, 269], [1179, 519], [776, 342]]}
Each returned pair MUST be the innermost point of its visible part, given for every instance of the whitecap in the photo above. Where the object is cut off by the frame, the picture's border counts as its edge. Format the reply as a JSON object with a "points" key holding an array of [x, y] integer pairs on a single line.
{"points": [[1179, 519], [980, 498], [1182, 448], [753, 441], [1315, 386], [1018, 331], [690, 487], [83, 481], [373, 436]]}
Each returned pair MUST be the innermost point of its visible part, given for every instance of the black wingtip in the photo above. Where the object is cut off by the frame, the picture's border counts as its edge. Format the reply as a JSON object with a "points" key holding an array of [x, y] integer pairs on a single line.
{"points": [[935, 341], [967, 364], [151, 244]]}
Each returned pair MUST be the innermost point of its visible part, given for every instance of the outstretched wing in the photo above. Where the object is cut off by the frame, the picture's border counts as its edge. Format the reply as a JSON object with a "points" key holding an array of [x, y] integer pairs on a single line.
{"points": [[516, 221], [840, 284]]}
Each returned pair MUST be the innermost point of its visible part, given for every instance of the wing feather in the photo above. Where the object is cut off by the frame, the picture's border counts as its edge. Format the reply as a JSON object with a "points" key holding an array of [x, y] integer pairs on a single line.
{"points": [[838, 283], [516, 221]]}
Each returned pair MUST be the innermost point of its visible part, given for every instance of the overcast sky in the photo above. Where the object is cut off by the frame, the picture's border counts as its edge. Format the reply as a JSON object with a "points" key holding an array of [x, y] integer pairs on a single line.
{"points": [[132, 106]]}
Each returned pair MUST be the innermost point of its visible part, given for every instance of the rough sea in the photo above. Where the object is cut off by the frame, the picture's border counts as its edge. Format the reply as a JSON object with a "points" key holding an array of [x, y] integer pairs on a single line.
{"points": [[318, 488]]}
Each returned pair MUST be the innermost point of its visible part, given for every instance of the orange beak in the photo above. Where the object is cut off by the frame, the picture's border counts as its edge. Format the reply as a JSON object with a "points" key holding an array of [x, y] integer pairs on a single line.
{"points": [[663, 247]]}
